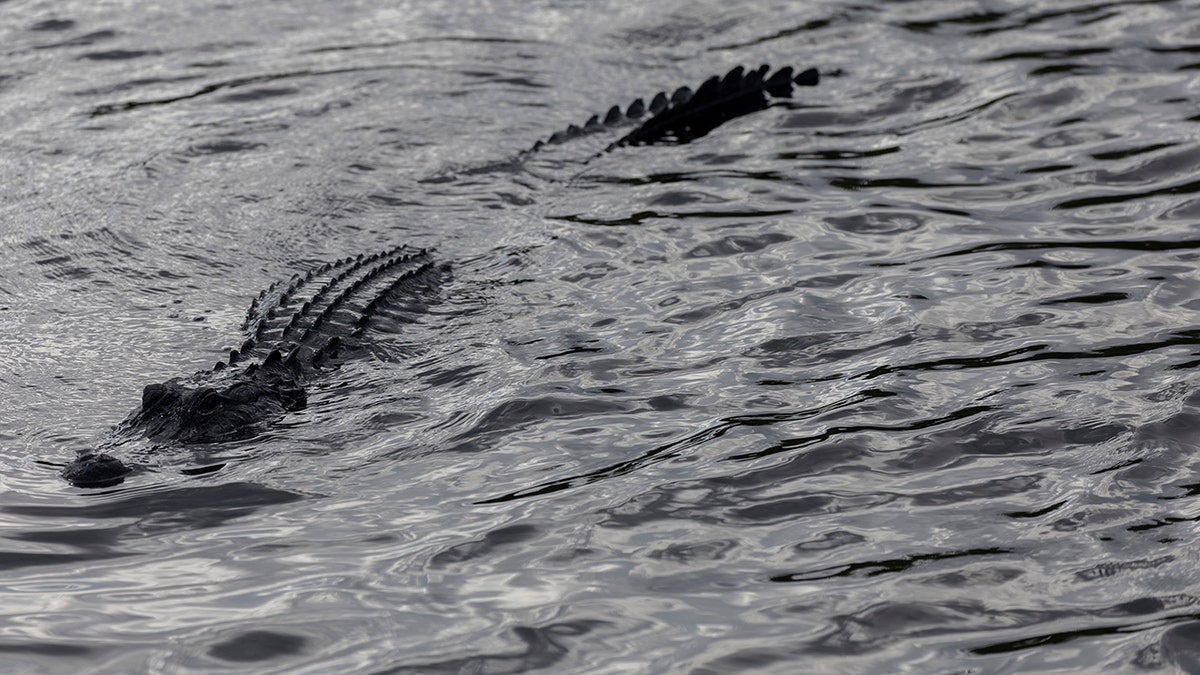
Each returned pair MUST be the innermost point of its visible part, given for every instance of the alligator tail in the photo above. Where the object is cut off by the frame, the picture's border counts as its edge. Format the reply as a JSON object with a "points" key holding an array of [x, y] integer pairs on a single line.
{"points": [[685, 115]]}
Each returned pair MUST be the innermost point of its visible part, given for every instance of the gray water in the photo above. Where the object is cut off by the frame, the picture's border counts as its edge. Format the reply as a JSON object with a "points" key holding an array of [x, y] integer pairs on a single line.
{"points": [[897, 377]]}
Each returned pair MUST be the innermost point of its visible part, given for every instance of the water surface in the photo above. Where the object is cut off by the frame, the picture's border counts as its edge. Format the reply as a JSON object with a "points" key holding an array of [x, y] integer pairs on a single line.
{"points": [[896, 377]]}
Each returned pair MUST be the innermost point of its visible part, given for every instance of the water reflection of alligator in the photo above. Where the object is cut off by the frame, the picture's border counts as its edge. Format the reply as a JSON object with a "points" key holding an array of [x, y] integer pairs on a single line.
{"points": [[295, 331]]}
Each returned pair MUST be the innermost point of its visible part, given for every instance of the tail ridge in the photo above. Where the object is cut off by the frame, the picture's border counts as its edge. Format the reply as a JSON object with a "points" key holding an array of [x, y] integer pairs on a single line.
{"points": [[686, 115]]}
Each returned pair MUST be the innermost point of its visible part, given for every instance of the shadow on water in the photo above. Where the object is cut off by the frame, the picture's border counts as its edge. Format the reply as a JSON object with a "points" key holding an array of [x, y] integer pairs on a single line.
{"points": [[544, 647], [155, 512]]}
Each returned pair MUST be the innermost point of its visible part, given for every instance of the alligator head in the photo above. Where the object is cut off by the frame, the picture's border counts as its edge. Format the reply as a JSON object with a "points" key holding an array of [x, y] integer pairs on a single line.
{"points": [[187, 411], [208, 407]]}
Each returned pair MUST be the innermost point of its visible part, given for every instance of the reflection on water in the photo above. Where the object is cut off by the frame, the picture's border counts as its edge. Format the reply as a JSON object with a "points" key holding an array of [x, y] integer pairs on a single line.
{"points": [[895, 376]]}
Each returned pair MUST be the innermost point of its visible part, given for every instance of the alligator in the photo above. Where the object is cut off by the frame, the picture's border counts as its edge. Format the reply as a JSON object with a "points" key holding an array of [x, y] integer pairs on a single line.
{"points": [[297, 330]]}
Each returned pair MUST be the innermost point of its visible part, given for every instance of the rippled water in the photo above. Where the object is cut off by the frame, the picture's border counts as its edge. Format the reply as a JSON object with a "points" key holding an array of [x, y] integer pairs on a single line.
{"points": [[899, 377]]}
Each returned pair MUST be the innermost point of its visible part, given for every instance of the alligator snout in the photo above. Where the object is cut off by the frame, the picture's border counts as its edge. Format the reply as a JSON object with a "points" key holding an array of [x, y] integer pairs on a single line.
{"points": [[94, 470]]}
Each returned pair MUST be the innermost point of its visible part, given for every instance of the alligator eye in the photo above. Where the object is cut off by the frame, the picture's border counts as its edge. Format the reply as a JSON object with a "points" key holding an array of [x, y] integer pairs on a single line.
{"points": [[152, 394], [208, 403]]}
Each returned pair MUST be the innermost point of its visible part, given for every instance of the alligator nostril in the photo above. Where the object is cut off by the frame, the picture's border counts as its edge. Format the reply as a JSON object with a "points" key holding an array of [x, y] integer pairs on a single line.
{"points": [[95, 470]]}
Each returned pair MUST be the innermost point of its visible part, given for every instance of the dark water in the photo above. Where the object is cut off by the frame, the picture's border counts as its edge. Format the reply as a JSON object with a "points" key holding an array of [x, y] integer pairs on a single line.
{"points": [[897, 378]]}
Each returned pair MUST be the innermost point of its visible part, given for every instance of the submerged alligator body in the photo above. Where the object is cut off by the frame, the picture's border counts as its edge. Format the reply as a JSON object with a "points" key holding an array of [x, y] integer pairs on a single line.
{"points": [[294, 332], [297, 330]]}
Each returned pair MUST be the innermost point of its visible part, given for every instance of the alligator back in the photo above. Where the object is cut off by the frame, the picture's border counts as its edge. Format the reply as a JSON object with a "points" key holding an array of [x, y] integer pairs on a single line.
{"points": [[303, 322]]}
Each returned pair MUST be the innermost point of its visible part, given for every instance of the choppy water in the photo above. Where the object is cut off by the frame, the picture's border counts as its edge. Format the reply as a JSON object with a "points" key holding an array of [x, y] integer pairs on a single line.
{"points": [[897, 378]]}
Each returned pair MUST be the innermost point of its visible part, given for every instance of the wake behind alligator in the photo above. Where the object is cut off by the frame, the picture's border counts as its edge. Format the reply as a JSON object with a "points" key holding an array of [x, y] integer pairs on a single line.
{"points": [[295, 331]]}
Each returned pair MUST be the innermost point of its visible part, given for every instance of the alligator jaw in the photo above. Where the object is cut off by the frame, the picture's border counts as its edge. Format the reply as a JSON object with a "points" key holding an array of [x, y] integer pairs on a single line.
{"points": [[95, 470]]}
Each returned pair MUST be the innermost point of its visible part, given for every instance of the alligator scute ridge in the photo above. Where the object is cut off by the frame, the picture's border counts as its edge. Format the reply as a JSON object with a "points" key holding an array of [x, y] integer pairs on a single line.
{"points": [[684, 116], [297, 329]]}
